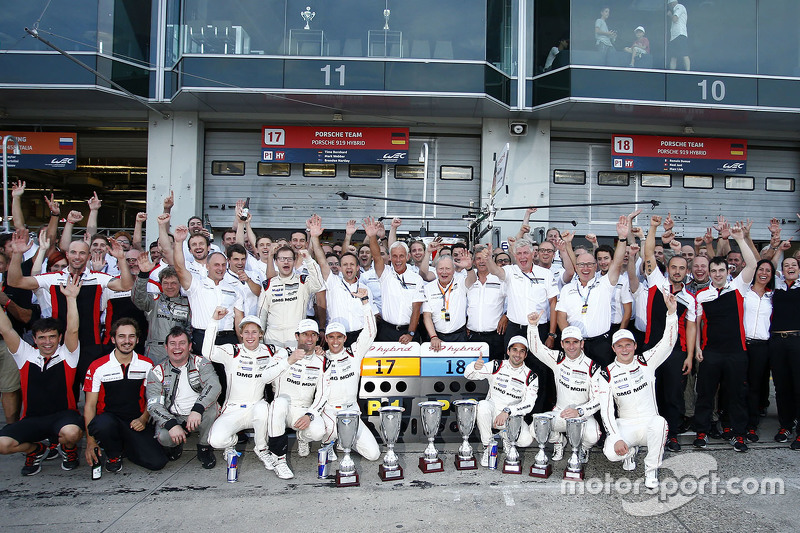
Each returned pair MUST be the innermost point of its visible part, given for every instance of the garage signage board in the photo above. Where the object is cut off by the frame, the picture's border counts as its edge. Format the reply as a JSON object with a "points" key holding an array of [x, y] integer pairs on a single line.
{"points": [[654, 153], [43, 150], [341, 145]]}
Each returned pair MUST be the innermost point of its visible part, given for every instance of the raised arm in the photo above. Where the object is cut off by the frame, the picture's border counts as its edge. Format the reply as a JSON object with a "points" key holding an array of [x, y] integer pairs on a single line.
{"points": [[17, 190], [70, 291], [20, 245], [94, 208], [164, 242], [136, 240], [55, 214], [41, 253], [563, 245], [184, 276], [169, 201], [493, 267], [650, 246], [749, 257], [73, 217], [371, 227], [623, 228], [315, 229], [525, 227], [349, 230], [424, 267], [125, 280], [393, 231]]}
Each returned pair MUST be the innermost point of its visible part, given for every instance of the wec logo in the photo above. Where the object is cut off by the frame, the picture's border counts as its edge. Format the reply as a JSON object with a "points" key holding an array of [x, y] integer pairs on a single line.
{"points": [[732, 166], [62, 161], [393, 157]]}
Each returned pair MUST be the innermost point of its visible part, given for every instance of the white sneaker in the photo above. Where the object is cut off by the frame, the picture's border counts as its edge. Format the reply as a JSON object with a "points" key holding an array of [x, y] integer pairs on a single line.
{"points": [[487, 451], [629, 463], [303, 448], [332, 454], [651, 479], [267, 458], [282, 469], [583, 454], [558, 449]]}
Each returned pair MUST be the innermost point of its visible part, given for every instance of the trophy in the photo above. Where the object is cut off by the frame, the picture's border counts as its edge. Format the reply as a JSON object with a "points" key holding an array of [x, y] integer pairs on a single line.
{"points": [[391, 417], [308, 16], [431, 415], [541, 430], [467, 411], [386, 13], [512, 464], [575, 427], [347, 427]]}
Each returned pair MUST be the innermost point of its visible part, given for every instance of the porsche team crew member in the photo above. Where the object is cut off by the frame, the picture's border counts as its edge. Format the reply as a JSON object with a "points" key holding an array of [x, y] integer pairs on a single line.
{"points": [[573, 386], [444, 311], [115, 411], [47, 373], [300, 396], [342, 373], [628, 384], [486, 299], [512, 391], [182, 398]]}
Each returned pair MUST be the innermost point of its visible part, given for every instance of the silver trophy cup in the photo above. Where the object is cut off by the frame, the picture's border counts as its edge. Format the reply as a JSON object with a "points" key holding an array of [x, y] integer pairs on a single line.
{"points": [[347, 427], [431, 415], [308, 16], [466, 413], [391, 418], [542, 423], [512, 464], [575, 428]]}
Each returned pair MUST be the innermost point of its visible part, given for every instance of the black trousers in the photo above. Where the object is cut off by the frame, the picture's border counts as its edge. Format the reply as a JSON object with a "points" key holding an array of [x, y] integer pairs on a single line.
{"points": [[115, 436], [598, 349], [784, 358], [352, 336], [89, 354], [757, 369], [223, 337], [670, 383], [545, 398], [497, 350], [456, 336], [728, 371], [391, 333]]}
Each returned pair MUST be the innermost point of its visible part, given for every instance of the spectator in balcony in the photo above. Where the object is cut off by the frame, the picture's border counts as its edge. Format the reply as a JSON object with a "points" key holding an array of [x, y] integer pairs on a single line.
{"points": [[678, 35], [640, 47], [560, 46], [604, 38]]}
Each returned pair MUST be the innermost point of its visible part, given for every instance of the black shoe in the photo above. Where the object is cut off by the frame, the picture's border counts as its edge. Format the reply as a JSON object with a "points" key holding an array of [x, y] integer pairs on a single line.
{"points": [[738, 444], [70, 457], [241, 443], [174, 453], [727, 433], [762, 411], [52, 452], [782, 435], [205, 454], [796, 444], [673, 445], [33, 460], [752, 436], [113, 464], [714, 432], [701, 441], [686, 425]]}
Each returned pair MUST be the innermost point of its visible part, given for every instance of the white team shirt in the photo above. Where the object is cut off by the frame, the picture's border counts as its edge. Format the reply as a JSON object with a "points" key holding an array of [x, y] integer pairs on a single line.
{"points": [[528, 292]]}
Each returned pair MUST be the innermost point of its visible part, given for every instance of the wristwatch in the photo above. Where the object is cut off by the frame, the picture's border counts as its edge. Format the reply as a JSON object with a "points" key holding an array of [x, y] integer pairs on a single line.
{"points": [[552, 335], [580, 411], [411, 333], [310, 416], [507, 410]]}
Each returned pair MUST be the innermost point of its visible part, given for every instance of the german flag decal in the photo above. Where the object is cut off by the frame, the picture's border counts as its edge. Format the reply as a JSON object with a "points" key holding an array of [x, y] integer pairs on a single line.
{"points": [[737, 149], [399, 137]]}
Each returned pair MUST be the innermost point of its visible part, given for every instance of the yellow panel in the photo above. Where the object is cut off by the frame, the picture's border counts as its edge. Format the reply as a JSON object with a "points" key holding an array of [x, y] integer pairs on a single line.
{"points": [[390, 366]]}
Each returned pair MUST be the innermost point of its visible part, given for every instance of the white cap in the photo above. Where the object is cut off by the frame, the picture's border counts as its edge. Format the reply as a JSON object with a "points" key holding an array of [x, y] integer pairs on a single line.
{"points": [[249, 319], [572, 332], [622, 334], [335, 327], [640, 28], [518, 339], [307, 325]]}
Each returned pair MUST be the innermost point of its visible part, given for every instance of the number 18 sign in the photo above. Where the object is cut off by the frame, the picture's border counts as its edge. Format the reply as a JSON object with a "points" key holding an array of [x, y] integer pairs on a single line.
{"points": [[653, 153]]}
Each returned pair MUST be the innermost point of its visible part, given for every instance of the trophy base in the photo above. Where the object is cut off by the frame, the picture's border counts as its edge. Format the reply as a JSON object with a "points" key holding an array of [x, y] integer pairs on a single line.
{"points": [[573, 475], [347, 480], [512, 468], [429, 467], [390, 475], [541, 472], [466, 464]]}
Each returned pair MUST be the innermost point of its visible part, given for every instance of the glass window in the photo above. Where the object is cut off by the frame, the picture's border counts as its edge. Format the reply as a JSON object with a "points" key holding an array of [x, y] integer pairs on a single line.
{"points": [[551, 34], [455, 172], [780, 184], [571, 177], [74, 22], [698, 182], [739, 183], [365, 171], [319, 170], [778, 38], [409, 172], [227, 168], [501, 36], [618, 179], [656, 180], [274, 169]]}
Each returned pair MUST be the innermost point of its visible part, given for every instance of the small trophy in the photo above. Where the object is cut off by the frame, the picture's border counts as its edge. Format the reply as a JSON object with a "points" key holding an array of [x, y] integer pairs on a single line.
{"points": [[541, 430], [512, 464], [575, 427], [386, 13], [308, 16], [467, 411], [391, 417], [431, 414], [347, 427]]}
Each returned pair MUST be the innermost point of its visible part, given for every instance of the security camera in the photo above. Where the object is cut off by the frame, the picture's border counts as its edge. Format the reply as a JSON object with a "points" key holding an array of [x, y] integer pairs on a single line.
{"points": [[518, 128]]}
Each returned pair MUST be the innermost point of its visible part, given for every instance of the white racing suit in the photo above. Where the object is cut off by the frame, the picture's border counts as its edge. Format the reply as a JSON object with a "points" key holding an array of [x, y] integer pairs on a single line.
{"points": [[282, 304], [247, 372], [572, 390], [632, 388], [302, 389], [515, 388], [343, 372]]}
